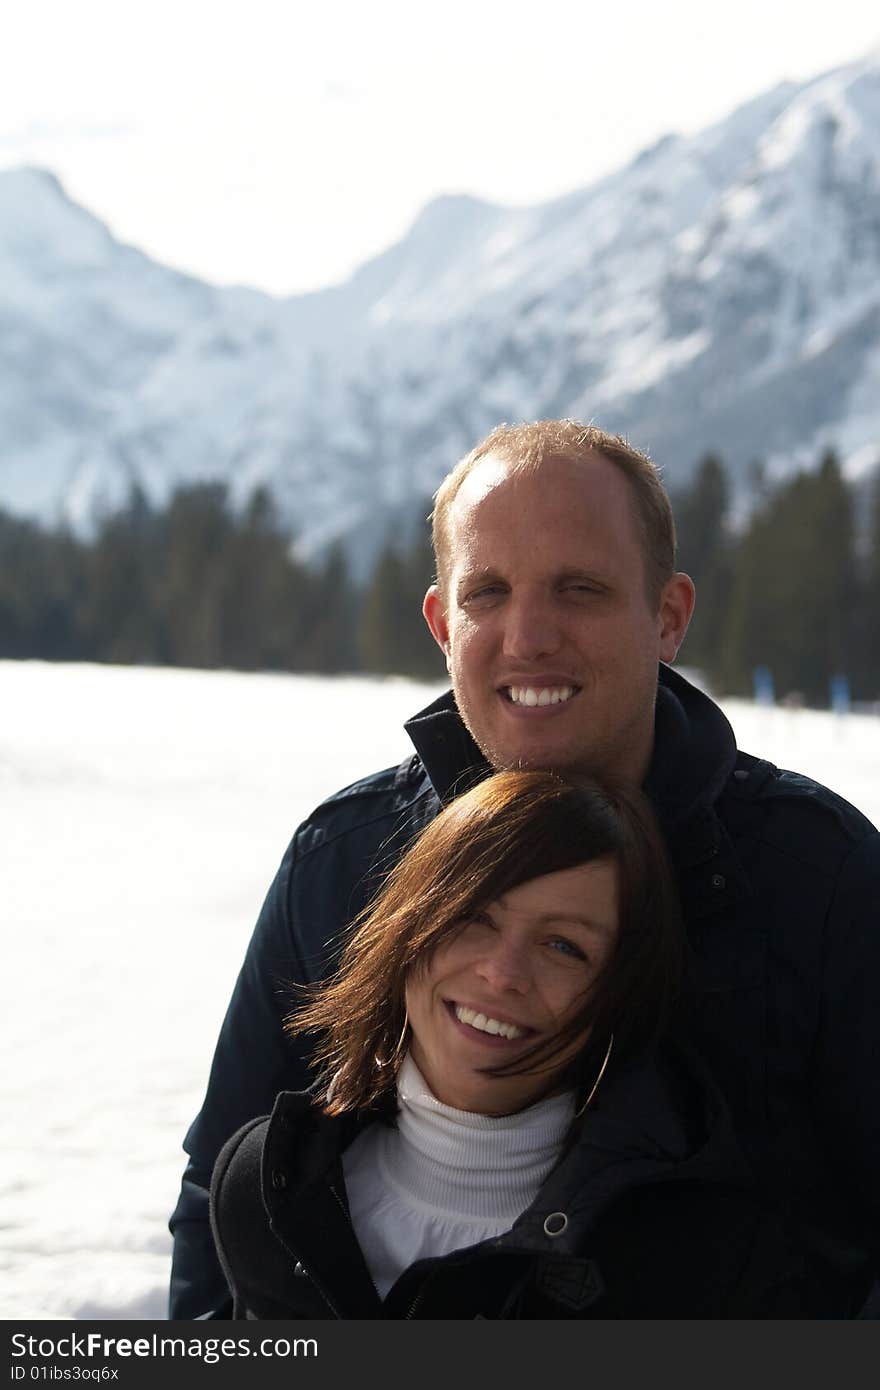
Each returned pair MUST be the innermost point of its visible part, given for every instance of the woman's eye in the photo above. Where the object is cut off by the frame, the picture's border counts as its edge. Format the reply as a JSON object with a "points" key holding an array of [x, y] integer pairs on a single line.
{"points": [[479, 920], [567, 948]]}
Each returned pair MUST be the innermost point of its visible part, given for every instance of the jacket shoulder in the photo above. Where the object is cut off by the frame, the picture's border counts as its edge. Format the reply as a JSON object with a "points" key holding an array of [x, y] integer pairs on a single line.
{"points": [[794, 814], [236, 1173], [375, 784], [384, 795], [236, 1202]]}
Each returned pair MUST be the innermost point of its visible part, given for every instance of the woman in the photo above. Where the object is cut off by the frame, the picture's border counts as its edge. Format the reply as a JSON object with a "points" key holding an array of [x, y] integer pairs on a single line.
{"points": [[494, 1131]]}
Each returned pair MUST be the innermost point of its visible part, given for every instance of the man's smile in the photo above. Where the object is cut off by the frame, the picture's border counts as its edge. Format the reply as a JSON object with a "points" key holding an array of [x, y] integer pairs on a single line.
{"points": [[539, 696]]}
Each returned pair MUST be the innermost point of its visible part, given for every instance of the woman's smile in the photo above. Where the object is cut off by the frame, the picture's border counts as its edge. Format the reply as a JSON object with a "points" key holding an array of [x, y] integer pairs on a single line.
{"points": [[485, 1025]]}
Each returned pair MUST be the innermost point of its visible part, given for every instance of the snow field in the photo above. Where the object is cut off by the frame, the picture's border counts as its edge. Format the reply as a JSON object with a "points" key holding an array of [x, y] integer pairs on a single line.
{"points": [[143, 813]]}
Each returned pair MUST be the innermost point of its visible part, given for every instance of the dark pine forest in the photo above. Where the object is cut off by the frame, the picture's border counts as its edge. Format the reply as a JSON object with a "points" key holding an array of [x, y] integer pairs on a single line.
{"points": [[795, 588]]}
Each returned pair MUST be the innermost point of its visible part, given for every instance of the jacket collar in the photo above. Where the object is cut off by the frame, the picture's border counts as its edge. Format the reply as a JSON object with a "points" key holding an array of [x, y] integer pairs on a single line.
{"points": [[303, 1193], [693, 757], [655, 1120], [449, 755]]}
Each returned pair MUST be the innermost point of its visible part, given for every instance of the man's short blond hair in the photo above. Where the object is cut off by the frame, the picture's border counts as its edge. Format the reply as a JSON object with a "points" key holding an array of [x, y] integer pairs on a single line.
{"points": [[530, 446]]}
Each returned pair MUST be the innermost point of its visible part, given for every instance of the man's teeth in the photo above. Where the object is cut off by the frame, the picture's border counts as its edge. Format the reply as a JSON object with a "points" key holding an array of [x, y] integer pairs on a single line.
{"points": [[548, 695], [487, 1025]]}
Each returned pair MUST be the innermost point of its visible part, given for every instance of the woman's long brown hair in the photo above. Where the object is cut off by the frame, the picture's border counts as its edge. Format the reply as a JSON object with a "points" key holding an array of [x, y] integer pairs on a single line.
{"points": [[511, 828]]}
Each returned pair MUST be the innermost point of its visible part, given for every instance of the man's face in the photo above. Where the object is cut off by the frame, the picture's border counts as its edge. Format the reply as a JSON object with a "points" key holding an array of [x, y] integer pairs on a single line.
{"points": [[549, 636]]}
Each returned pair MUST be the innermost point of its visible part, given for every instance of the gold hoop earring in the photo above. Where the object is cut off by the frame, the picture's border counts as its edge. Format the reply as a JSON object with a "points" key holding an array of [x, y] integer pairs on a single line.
{"points": [[595, 1086], [399, 1048], [395, 1056]]}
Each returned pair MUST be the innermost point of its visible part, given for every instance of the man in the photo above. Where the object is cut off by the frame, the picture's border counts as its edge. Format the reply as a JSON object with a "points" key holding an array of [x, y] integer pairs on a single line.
{"points": [[555, 604]]}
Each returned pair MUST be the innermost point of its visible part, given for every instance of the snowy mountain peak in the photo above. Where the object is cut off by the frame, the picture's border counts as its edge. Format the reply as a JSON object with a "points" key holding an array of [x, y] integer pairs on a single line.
{"points": [[721, 291], [42, 225]]}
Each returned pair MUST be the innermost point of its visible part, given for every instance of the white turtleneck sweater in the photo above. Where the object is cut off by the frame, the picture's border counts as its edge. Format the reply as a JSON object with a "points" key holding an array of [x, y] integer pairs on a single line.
{"points": [[444, 1179]]}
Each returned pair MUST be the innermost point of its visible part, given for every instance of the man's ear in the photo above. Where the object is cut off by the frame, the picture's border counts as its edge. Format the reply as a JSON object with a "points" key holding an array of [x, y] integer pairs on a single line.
{"points": [[435, 617], [676, 607]]}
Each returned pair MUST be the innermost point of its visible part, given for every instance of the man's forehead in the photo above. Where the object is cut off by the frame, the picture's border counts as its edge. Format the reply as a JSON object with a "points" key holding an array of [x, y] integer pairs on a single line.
{"points": [[589, 472], [481, 480], [576, 496]]}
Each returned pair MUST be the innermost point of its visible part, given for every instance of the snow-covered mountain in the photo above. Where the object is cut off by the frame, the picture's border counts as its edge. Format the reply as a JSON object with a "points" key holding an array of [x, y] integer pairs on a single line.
{"points": [[721, 291]]}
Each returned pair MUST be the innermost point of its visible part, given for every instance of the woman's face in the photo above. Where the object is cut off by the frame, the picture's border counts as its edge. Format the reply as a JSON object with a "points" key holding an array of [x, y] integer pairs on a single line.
{"points": [[509, 979]]}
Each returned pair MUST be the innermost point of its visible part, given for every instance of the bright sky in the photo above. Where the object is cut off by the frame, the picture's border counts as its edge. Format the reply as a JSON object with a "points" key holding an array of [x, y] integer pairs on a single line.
{"points": [[280, 143]]}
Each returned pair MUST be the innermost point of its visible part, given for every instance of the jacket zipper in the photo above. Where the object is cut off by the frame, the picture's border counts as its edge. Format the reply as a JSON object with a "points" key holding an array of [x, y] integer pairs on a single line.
{"points": [[418, 1298], [346, 1213], [424, 1287], [326, 1297], [318, 1285]]}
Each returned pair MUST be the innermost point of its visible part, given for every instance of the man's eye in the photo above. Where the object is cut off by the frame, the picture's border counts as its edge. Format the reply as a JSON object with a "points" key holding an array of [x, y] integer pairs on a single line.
{"points": [[485, 591]]}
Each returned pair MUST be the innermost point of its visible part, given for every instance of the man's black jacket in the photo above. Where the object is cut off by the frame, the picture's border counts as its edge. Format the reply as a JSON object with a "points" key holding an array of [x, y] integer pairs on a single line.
{"points": [[780, 886]]}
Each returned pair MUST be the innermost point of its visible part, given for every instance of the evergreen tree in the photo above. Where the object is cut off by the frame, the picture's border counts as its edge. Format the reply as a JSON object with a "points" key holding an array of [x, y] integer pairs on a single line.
{"points": [[425, 660], [263, 592], [828, 645], [704, 552], [194, 547], [385, 616], [792, 589], [330, 620], [41, 581], [393, 633], [116, 614], [867, 620]]}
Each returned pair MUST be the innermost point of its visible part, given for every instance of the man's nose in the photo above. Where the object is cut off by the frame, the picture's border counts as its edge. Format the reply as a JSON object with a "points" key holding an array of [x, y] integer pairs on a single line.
{"points": [[531, 628]]}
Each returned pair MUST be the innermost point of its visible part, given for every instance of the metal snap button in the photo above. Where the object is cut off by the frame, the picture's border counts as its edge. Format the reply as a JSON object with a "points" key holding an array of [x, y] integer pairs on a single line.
{"points": [[279, 1179], [555, 1223], [719, 881]]}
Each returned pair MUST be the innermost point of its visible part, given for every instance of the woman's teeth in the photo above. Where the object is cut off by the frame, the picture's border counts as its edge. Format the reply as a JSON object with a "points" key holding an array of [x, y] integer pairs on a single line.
{"points": [[487, 1025]]}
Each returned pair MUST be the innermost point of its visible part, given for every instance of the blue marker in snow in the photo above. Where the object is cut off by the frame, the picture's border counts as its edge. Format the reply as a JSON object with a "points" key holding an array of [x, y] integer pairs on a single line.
{"points": [[840, 699], [763, 685]]}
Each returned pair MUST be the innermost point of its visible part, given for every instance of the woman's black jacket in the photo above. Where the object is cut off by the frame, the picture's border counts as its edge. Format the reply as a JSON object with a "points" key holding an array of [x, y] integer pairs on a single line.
{"points": [[651, 1212]]}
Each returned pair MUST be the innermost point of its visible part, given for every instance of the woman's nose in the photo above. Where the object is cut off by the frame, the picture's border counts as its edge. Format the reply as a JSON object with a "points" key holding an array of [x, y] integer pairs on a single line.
{"points": [[505, 967]]}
